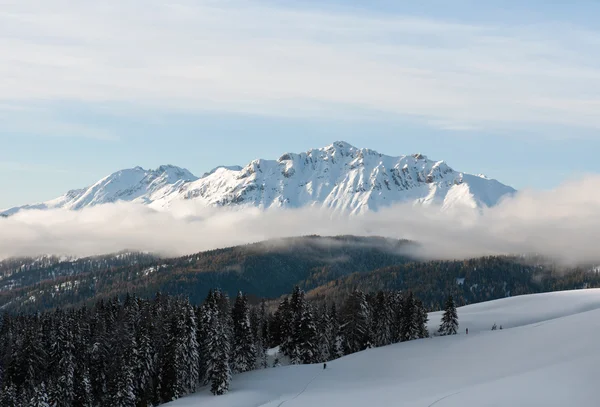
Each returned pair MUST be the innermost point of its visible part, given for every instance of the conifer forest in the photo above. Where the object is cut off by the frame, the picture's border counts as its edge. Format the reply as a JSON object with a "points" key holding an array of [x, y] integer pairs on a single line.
{"points": [[139, 352]]}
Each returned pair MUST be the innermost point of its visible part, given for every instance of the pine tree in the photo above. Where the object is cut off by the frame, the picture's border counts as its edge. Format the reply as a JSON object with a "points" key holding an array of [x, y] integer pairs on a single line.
{"points": [[325, 336], [409, 328], [244, 350], [169, 388], [263, 334], [187, 355], [218, 349], [383, 320], [422, 319], [337, 344], [449, 325], [290, 325], [306, 337], [85, 398], [8, 398], [63, 349], [356, 323], [40, 397], [145, 369], [282, 327]]}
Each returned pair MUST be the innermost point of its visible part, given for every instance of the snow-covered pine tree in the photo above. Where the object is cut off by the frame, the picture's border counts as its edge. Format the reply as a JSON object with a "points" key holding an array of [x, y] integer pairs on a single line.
{"points": [[409, 328], [292, 348], [356, 323], [84, 396], [218, 350], [308, 350], [145, 368], [449, 325], [325, 335], [63, 358], [40, 397], [422, 319], [337, 343], [187, 355], [122, 386], [170, 362], [204, 315], [31, 357], [8, 398], [244, 350], [383, 320], [260, 328], [281, 328], [99, 354], [397, 304]]}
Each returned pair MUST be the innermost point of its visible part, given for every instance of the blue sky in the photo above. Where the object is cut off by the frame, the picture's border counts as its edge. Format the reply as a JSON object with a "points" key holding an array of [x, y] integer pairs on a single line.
{"points": [[500, 88]]}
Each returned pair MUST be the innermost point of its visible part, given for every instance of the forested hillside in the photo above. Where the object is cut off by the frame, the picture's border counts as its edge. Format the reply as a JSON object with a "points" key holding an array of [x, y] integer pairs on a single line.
{"points": [[267, 269], [144, 353], [328, 268]]}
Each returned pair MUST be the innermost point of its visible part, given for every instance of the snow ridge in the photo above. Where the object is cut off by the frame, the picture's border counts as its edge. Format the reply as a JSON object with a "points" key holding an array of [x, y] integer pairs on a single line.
{"points": [[340, 177]]}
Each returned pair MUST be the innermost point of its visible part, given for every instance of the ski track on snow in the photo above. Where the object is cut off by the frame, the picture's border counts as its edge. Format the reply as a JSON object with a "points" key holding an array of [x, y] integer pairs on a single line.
{"points": [[301, 392]]}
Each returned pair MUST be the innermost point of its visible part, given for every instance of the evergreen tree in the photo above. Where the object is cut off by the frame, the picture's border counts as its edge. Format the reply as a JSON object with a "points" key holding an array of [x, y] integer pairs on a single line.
{"points": [[84, 395], [262, 338], [325, 336], [63, 356], [409, 325], [356, 323], [337, 344], [218, 350], [306, 336], [282, 327], [383, 320], [8, 398], [449, 325], [40, 397], [422, 319], [170, 363], [244, 350], [187, 351]]}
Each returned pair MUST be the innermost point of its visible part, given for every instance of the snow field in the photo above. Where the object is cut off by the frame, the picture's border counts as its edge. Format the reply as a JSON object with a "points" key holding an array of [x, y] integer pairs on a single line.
{"points": [[546, 355]]}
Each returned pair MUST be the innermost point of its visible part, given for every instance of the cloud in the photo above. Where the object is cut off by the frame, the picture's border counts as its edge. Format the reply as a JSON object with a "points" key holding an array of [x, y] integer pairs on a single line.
{"points": [[250, 57], [563, 224]]}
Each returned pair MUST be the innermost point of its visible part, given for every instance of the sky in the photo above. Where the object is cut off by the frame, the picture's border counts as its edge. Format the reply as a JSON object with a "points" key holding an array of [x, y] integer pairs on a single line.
{"points": [[503, 88]]}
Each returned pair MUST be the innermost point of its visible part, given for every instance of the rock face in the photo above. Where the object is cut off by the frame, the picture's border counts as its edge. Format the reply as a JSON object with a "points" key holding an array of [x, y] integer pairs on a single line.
{"points": [[340, 177]]}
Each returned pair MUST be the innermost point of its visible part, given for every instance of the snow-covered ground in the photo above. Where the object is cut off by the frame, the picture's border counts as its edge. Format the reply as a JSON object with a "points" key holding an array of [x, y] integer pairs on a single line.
{"points": [[546, 355]]}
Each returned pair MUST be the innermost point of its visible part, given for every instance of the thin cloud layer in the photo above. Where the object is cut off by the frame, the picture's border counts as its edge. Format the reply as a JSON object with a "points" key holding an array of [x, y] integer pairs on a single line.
{"points": [[563, 224], [256, 57]]}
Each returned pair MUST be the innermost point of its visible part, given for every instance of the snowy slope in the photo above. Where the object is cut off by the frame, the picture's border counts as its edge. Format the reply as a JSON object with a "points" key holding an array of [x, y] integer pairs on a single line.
{"points": [[340, 177], [547, 357]]}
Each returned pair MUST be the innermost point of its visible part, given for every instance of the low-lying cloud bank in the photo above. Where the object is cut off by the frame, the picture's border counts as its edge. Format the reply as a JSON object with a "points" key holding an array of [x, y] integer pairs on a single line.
{"points": [[563, 223]]}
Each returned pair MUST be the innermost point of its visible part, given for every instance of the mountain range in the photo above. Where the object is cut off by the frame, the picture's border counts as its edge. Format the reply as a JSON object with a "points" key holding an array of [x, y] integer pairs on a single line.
{"points": [[339, 177]]}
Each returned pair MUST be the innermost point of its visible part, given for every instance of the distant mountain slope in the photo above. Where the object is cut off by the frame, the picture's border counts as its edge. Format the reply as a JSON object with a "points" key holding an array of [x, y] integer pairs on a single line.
{"points": [[340, 177], [328, 268], [131, 185]]}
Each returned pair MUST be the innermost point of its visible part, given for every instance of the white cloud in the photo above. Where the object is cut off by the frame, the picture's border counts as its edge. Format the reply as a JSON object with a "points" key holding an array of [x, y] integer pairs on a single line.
{"points": [[242, 56], [563, 223]]}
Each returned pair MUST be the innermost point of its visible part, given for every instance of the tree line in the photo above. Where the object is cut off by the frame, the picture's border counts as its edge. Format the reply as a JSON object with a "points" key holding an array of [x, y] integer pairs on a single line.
{"points": [[134, 352]]}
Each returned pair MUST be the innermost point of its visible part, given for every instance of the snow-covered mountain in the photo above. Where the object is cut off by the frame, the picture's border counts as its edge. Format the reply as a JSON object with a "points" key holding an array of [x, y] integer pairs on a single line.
{"points": [[133, 185], [340, 177]]}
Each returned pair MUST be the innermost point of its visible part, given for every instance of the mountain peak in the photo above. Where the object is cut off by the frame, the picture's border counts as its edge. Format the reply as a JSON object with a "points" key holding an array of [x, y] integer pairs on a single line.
{"points": [[339, 176]]}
